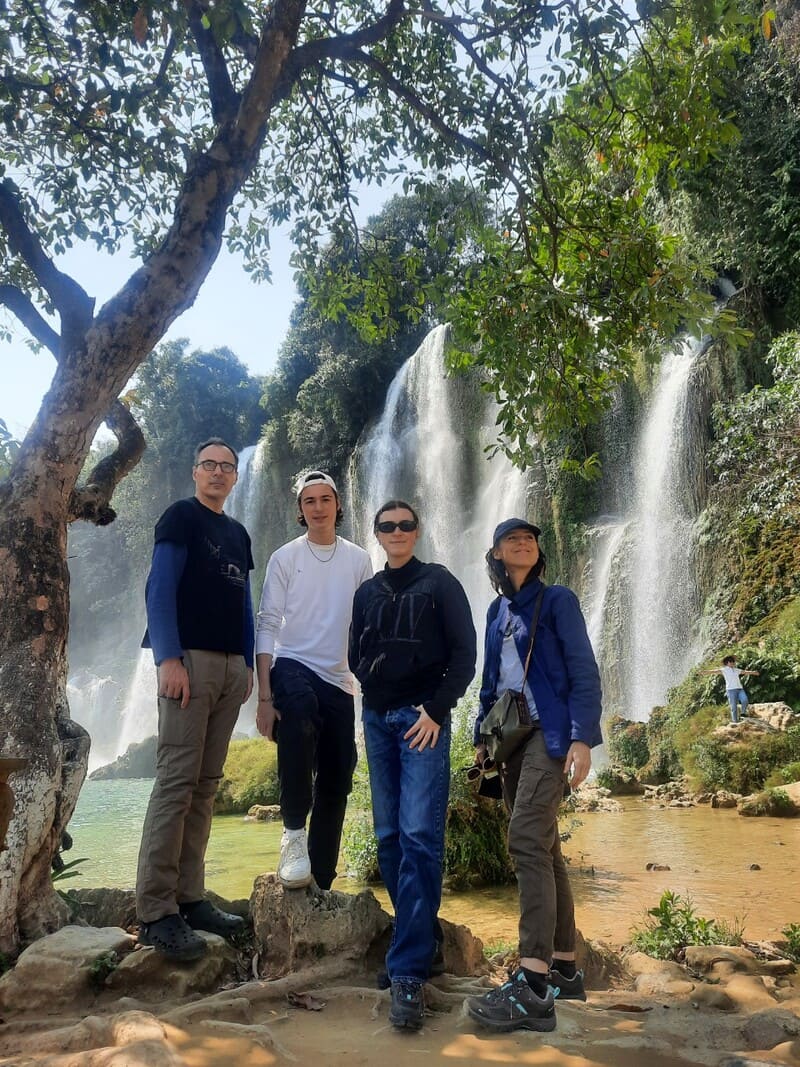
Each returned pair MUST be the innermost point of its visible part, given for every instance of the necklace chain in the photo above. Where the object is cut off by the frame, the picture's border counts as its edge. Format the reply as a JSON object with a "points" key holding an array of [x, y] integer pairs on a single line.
{"points": [[322, 559]]}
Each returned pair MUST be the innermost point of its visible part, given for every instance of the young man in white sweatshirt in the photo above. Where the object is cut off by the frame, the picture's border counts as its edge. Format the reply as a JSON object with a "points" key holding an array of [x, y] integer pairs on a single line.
{"points": [[305, 689]]}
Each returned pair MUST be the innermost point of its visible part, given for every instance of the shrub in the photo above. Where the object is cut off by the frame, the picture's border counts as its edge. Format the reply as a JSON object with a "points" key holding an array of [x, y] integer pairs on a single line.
{"points": [[627, 743], [475, 836], [673, 924], [741, 768], [792, 935], [250, 776], [475, 850], [359, 843], [784, 775]]}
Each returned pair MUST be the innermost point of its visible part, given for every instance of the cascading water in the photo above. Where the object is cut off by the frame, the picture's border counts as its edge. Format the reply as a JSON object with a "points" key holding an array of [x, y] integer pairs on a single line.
{"points": [[663, 606], [641, 596], [428, 447]]}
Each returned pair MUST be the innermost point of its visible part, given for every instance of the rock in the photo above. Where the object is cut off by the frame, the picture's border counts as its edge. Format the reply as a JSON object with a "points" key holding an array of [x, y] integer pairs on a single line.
{"points": [[153, 977], [62, 967], [766, 1029], [590, 797], [657, 867], [462, 951], [742, 732], [677, 789], [778, 803], [103, 907], [138, 761], [723, 799], [776, 714], [296, 926], [755, 867], [721, 960], [656, 977], [601, 965], [749, 993], [264, 812], [711, 996]]}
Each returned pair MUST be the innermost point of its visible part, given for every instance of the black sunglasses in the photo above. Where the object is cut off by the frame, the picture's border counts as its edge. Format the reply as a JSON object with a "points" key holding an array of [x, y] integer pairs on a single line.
{"points": [[406, 525]]}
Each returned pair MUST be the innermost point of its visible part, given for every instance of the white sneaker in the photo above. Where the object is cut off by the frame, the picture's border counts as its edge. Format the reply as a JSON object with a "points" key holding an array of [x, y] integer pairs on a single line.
{"points": [[294, 868]]}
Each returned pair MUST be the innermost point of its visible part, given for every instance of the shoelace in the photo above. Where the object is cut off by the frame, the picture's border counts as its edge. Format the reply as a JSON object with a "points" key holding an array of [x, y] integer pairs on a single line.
{"points": [[294, 849], [407, 989]]}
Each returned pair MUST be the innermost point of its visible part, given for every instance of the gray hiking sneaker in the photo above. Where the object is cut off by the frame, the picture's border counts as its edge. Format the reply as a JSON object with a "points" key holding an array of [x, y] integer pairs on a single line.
{"points": [[514, 1006], [567, 988], [408, 1004]]}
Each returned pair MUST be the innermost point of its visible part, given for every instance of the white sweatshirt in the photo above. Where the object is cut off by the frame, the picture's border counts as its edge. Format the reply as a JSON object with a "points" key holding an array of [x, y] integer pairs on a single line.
{"points": [[307, 605]]}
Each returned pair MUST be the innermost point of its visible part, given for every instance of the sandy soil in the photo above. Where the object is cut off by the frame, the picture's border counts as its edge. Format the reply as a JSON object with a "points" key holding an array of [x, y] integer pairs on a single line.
{"points": [[254, 1026]]}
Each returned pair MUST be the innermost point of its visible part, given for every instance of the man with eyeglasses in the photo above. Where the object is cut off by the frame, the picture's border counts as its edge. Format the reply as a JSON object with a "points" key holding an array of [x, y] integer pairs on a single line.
{"points": [[413, 649], [305, 690], [200, 627]]}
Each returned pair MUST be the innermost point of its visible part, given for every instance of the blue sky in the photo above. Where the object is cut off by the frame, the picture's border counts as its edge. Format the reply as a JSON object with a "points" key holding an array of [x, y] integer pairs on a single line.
{"points": [[251, 320]]}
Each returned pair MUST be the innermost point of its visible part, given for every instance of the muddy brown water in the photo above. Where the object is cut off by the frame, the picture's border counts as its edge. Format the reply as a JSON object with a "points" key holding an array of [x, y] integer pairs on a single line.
{"points": [[709, 853]]}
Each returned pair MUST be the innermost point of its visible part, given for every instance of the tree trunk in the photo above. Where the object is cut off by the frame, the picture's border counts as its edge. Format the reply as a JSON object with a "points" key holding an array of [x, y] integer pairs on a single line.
{"points": [[34, 613], [96, 357]]}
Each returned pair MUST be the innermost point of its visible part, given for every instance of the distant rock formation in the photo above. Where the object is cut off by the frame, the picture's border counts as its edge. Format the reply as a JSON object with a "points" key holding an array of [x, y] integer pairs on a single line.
{"points": [[138, 762]]}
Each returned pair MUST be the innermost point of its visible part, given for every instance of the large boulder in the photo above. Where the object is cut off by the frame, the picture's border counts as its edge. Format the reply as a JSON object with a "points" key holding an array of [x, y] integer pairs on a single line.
{"points": [[150, 976], [779, 715], [63, 967], [294, 927]]}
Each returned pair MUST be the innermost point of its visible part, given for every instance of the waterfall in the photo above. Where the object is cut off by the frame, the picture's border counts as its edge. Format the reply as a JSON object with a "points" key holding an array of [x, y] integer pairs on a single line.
{"points": [[662, 601], [94, 702], [429, 447], [642, 602]]}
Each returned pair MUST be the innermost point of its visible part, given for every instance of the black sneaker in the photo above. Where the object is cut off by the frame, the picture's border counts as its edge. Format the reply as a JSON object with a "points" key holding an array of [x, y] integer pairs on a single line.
{"points": [[514, 1006], [408, 1004], [174, 938], [567, 988], [203, 915]]}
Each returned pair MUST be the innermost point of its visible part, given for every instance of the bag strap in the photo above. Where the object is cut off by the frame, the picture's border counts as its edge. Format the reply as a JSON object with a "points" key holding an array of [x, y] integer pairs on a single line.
{"points": [[537, 609]]}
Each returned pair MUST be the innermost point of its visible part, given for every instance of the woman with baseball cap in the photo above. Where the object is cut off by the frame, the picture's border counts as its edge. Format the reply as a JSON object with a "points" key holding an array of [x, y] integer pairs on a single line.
{"points": [[562, 689]]}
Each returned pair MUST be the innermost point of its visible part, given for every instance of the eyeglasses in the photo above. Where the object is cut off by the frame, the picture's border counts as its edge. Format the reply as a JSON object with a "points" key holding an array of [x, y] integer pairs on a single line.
{"points": [[211, 465], [406, 525]]}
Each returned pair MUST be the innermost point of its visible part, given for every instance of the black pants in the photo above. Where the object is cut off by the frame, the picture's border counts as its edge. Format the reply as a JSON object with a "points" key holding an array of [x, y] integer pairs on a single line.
{"points": [[316, 759]]}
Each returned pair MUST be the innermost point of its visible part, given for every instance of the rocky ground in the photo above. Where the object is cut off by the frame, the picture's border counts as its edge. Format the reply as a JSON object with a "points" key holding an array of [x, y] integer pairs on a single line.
{"points": [[300, 990]]}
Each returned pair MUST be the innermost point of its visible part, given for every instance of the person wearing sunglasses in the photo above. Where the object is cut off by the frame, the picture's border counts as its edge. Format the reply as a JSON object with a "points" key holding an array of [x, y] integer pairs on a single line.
{"points": [[559, 678], [305, 690], [200, 627], [413, 649]]}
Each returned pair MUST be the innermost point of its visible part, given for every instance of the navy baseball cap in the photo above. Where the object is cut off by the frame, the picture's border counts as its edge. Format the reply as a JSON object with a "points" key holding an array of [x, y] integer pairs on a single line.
{"points": [[507, 525]]}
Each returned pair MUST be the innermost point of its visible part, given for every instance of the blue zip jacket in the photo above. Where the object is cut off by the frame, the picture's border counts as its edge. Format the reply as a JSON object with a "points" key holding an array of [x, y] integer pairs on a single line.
{"points": [[563, 674]]}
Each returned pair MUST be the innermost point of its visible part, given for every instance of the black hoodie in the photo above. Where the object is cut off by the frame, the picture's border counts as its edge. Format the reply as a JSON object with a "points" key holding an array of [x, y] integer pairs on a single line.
{"points": [[412, 640]]}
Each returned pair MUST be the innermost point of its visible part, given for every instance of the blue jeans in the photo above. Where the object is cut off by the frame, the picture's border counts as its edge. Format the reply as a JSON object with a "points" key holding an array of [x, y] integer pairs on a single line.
{"points": [[410, 790], [735, 697]]}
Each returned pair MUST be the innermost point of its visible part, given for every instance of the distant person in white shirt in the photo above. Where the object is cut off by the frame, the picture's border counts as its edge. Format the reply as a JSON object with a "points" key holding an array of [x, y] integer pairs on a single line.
{"points": [[733, 685], [305, 688]]}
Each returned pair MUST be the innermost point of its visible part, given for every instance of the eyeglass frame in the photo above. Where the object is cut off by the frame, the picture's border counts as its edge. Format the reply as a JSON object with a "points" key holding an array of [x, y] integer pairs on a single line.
{"points": [[404, 525], [210, 465]]}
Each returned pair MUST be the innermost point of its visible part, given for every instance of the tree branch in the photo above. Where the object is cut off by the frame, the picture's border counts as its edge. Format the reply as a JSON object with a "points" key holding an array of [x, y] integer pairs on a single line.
{"points": [[72, 302], [223, 96], [21, 305], [91, 501]]}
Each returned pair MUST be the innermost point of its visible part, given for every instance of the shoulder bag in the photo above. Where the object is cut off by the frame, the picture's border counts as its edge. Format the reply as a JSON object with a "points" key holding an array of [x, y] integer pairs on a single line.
{"points": [[508, 723]]}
